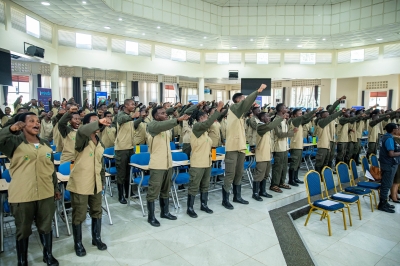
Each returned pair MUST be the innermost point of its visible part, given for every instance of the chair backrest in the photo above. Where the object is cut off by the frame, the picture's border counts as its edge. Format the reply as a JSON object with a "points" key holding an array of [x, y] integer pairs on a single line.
{"points": [[53, 147], [305, 140], [142, 158], [327, 175], [172, 145], [221, 150], [343, 174], [309, 139], [179, 156], [312, 181], [65, 168], [365, 164], [57, 156], [353, 169], [144, 148], [109, 151], [6, 175], [374, 160]]}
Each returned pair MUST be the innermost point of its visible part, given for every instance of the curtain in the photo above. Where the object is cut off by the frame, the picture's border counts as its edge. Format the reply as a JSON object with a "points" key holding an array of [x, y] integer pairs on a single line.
{"points": [[148, 92], [39, 81], [76, 89], [176, 89], [65, 84], [5, 94], [186, 92], [316, 95], [45, 81]]}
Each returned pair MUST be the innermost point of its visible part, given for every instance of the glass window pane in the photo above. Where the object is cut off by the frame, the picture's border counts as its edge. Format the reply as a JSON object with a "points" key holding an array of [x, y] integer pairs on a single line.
{"points": [[132, 48], [178, 55], [83, 41], [262, 58], [32, 27], [223, 58]]}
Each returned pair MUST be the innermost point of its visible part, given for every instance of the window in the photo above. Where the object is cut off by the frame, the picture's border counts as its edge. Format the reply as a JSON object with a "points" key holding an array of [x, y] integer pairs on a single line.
{"points": [[178, 55], [83, 41], [378, 98], [223, 58], [307, 58], [32, 27], [219, 96], [19, 88], [170, 95], [262, 58], [115, 89], [305, 97], [278, 96], [132, 48], [357, 56]]}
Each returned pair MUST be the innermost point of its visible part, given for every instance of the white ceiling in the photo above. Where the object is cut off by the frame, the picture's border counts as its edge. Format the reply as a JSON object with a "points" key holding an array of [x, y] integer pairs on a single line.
{"points": [[272, 2], [96, 14]]}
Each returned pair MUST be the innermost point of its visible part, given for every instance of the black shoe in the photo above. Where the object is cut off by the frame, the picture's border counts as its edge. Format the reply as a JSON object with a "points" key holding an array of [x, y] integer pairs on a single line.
{"points": [[225, 200], [96, 234], [181, 187], [263, 192], [384, 206], [164, 205], [22, 251], [237, 195], [151, 218], [256, 189], [395, 201], [390, 206], [47, 242], [296, 177], [291, 178], [121, 197], [78, 246], [204, 199], [190, 211]]}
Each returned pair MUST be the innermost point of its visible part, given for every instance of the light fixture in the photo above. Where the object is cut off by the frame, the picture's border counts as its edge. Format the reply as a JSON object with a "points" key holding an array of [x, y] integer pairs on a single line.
{"points": [[204, 37], [143, 33], [341, 44], [120, 19], [379, 39], [251, 40], [287, 39], [158, 27], [234, 47], [45, 3], [266, 46], [84, 2], [299, 45], [324, 39], [107, 27], [201, 44]]}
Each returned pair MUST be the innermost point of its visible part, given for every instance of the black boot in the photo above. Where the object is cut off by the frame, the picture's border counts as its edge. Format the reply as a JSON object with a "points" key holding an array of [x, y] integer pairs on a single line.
{"points": [[225, 200], [237, 195], [47, 242], [296, 177], [78, 246], [291, 178], [384, 206], [256, 189], [164, 205], [22, 251], [263, 191], [151, 218], [121, 197], [190, 211], [96, 234], [204, 199]]}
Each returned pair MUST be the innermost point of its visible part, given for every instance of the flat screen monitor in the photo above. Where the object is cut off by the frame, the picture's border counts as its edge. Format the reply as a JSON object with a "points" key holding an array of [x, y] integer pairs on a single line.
{"points": [[249, 85], [5, 68]]}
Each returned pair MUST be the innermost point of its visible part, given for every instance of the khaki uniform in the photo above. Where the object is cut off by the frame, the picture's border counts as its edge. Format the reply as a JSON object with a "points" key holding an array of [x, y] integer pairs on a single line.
{"points": [[33, 182], [140, 131], [4, 119], [107, 136], [223, 129], [343, 138], [214, 132], [373, 133], [68, 135], [252, 131]]}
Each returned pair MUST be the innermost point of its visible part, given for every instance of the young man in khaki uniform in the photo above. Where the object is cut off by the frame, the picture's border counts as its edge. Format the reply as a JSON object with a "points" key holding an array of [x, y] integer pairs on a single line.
{"points": [[360, 127], [160, 164], [280, 149], [124, 144], [68, 133], [252, 127], [108, 134], [140, 128], [343, 136], [236, 146]]}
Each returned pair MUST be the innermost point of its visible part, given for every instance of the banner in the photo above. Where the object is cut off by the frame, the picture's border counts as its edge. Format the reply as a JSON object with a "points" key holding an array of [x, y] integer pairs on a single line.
{"points": [[193, 99], [259, 101], [100, 96], [43, 96]]}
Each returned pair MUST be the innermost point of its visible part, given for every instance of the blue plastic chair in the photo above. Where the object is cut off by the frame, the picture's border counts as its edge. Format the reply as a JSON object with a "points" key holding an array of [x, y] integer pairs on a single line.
{"points": [[53, 147], [342, 171], [312, 181], [57, 156], [221, 150], [65, 169], [179, 178], [144, 148], [172, 145], [345, 198], [142, 180], [109, 167], [6, 175], [356, 180]]}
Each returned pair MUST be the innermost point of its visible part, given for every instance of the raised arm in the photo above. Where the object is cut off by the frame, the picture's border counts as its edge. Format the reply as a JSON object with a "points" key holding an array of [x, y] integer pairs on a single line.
{"points": [[201, 127], [222, 115], [323, 122], [63, 124], [156, 127], [137, 122], [240, 108], [264, 128], [123, 117], [332, 108]]}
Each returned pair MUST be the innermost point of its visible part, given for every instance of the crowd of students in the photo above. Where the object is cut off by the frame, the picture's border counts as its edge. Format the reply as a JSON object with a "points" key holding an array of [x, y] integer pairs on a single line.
{"points": [[82, 134]]}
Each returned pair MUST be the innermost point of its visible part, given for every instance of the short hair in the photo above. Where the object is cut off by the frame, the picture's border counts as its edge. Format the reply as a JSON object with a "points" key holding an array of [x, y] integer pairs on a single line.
{"points": [[127, 101], [296, 110], [21, 108], [328, 106], [107, 113], [86, 118], [75, 113], [279, 107], [42, 111], [359, 111], [22, 117], [261, 114], [80, 111], [101, 105], [155, 110], [390, 127], [195, 116], [236, 95], [255, 108]]}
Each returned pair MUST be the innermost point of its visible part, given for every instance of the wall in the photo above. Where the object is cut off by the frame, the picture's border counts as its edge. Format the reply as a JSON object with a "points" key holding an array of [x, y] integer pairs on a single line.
{"points": [[348, 87], [393, 83]]}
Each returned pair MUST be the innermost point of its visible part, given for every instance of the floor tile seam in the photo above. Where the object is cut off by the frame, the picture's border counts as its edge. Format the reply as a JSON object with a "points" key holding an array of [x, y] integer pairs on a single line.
{"points": [[384, 257], [361, 247], [253, 257]]}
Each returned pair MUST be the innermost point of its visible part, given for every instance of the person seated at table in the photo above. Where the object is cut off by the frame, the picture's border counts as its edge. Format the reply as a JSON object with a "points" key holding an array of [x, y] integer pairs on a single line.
{"points": [[200, 163], [107, 134], [263, 152], [160, 165], [87, 180], [33, 186], [68, 133]]}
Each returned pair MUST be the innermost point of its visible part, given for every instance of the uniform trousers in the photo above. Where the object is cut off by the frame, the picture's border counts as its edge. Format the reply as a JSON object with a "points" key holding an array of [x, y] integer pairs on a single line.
{"points": [[234, 164], [199, 177], [262, 171], [159, 184], [80, 203], [279, 168], [122, 159], [295, 159]]}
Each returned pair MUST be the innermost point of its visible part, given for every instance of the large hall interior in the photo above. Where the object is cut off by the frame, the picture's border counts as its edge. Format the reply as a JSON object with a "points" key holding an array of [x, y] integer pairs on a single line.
{"points": [[200, 132]]}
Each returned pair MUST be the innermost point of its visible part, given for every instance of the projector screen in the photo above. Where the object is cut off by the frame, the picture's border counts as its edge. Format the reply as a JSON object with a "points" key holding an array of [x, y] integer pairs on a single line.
{"points": [[5, 68], [250, 85]]}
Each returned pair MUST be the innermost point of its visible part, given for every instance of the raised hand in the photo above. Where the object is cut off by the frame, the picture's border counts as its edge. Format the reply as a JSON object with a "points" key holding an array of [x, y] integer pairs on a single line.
{"points": [[182, 118], [17, 126], [319, 109], [105, 121], [220, 106], [343, 98], [262, 87], [73, 109]]}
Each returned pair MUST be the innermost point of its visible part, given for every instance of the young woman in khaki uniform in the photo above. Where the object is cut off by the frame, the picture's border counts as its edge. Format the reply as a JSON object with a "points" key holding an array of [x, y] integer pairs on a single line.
{"points": [[214, 132], [108, 134], [68, 133], [87, 180], [46, 127], [200, 163], [33, 186]]}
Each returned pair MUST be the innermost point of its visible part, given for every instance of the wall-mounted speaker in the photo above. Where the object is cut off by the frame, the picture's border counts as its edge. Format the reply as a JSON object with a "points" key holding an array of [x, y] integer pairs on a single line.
{"points": [[33, 50], [233, 74]]}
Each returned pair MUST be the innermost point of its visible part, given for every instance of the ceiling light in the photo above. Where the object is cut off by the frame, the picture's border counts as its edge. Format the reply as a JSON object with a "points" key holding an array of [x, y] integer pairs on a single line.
{"points": [[324, 39], [251, 40], [143, 33], [45, 3], [204, 37], [158, 27], [234, 47], [287, 39], [379, 39], [83, 2], [341, 44], [201, 44], [299, 45], [266, 46], [107, 27], [120, 19]]}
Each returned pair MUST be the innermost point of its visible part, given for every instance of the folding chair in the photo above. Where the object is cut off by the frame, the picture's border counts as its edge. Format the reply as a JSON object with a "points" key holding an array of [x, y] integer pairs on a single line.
{"points": [[374, 160], [177, 177], [141, 159], [342, 171], [345, 198], [356, 180], [64, 169], [312, 181], [109, 169]]}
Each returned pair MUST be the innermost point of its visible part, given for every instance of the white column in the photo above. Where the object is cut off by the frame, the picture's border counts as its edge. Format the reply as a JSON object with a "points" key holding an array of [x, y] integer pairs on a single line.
{"points": [[332, 93], [359, 91], [201, 89], [55, 85]]}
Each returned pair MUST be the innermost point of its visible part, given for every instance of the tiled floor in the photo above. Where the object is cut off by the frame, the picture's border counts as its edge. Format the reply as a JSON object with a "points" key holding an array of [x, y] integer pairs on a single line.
{"points": [[374, 240], [244, 236]]}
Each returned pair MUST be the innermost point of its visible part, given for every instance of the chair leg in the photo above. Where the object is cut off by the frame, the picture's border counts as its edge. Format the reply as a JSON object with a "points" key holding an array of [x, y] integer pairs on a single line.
{"points": [[376, 205], [141, 202], [173, 198], [344, 220], [329, 224], [348, 210], [370, 200], [359, 209], [64, 210], [108, 209], [56, 224], [308, 216], [176, 194]]}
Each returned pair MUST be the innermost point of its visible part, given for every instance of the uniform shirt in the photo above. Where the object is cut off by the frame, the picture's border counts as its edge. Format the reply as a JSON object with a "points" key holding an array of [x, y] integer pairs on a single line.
{"points": [[32, 169], [281, 135], [107, 136], [324, 137], [252, 130], [263, 141], [296, 142], [343, 128], [68, 135], [46, 129], [140, 131], [373, 129], [125, 132]]}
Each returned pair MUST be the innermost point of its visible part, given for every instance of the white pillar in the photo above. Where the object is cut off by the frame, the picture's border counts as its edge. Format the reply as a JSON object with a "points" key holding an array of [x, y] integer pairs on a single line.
{"points": [[55, 85], [332, 93], [201, 89], [359, 91]]}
